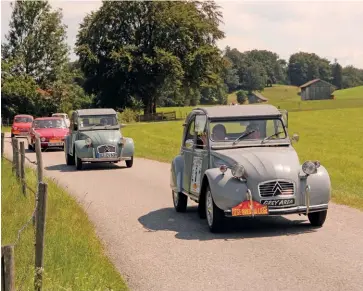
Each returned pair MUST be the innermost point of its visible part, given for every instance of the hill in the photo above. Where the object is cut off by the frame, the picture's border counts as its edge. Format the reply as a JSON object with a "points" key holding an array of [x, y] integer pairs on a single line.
{"points": [[350, 93]]}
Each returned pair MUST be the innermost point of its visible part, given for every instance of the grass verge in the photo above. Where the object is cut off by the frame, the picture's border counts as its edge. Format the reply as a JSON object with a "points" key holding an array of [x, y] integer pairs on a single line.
{"points": [[331, 136], [74, 258]]}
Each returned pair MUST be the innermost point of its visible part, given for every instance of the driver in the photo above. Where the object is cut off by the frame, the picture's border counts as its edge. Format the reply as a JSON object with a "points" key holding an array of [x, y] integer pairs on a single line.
{"points": [[219, 132], [253, 127], [103, 121]]}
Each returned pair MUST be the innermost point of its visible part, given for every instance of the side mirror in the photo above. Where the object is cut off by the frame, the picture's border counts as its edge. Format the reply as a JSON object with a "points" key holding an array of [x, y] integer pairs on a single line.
{"points": [[200, 122], [295, 137]]}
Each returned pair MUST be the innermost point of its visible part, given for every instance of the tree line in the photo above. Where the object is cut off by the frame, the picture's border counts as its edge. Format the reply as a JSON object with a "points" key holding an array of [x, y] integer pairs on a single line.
{"points": [[140, 55]]}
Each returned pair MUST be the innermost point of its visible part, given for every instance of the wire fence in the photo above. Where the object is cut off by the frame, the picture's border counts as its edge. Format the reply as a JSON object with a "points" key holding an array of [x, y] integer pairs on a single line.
{"points": [[18, 161]]}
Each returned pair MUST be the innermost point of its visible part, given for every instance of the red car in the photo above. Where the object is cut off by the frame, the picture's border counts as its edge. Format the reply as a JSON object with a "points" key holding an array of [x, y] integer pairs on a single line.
{"points": [[51, 131], [21, 125]]}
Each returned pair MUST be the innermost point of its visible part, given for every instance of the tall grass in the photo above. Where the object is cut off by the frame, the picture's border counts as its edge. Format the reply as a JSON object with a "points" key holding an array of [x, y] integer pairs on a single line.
{"points": [[74, 258]]}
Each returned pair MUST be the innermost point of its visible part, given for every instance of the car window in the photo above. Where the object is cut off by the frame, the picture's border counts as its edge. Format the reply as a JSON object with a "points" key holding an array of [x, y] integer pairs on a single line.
{"points": [[232, 129], [22, 119], [50, 123], [190, 132], [97, 120]]}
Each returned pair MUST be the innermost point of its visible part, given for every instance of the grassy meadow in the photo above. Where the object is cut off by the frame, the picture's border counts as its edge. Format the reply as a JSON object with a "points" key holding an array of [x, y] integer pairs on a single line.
{"points": [[74, 258], [332, 136]]}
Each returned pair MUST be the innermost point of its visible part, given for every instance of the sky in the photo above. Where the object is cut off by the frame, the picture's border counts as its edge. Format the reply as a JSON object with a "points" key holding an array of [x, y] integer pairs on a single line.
{"points": [[331, 29]]}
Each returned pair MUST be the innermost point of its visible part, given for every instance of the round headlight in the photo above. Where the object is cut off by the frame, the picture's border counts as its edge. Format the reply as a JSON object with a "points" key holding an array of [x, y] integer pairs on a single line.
{"points": [[223, 168], [42, 139], [88, 141], [309, 167], [238, 171]]}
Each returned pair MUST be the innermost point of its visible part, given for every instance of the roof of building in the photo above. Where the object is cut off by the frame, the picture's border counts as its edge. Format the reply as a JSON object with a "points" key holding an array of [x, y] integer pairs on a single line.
{"points": [[260, 96], [307, 84], [240, 110], [95, 111]]}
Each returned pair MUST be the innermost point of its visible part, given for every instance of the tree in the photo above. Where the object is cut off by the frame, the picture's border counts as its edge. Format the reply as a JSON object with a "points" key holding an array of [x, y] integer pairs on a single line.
{"points": [[254, 78], [37, 39], [337, 72], [147, 51], [241, 96]]}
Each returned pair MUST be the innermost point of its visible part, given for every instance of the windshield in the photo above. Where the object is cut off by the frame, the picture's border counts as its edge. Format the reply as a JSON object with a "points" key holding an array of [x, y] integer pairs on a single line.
{"points": [[50, 123], [97, 120], [243, 130], [22, 119], [60, 115]]}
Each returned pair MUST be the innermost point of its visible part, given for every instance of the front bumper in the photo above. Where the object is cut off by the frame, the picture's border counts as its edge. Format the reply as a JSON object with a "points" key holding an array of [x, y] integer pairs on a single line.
{"points": [[291, 210], [95, 160], [20, 134]]}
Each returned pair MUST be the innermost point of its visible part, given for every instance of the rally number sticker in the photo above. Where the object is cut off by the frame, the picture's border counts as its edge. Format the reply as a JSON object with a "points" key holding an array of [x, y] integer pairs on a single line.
{"points": [[196, 173]]}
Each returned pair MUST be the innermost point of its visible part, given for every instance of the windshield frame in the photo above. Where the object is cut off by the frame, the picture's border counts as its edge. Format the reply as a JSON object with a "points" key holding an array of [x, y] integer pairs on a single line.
{"points": [[228, 144], [97, 127]]}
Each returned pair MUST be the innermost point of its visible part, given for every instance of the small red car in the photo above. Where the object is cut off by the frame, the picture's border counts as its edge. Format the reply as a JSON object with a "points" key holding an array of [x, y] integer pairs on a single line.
{"points": [[51, 131], [21, 125]]}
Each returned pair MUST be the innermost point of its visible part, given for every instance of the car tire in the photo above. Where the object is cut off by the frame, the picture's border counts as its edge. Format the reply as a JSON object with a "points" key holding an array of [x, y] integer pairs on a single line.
{"points": [[201, 207], [180, 201], [129, 163], [30, 146], [317, 218], [215, 216], [78, 161], [69, 159], [12, 135]]}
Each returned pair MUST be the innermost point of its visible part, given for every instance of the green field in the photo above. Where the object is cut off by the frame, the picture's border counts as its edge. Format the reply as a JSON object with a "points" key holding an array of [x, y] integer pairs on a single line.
{"points": [[332, 136], [286, 98], [74, 258]]}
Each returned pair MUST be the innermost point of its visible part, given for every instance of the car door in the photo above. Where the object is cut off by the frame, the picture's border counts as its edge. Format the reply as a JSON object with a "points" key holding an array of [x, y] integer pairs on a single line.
{"points": [[73, 132], [200, 155], [187, 154]]}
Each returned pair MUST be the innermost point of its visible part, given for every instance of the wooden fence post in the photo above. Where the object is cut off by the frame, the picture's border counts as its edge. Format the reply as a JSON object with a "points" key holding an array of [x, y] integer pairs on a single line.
{"points": [[39, 237], [38, 151], [7, 268], [2, 143], [13, 141], [16, 164], [22, 167]]}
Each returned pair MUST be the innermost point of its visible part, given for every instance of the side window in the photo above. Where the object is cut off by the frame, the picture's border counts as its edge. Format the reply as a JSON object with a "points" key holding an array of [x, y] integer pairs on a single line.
{"points": [[190, 133]]}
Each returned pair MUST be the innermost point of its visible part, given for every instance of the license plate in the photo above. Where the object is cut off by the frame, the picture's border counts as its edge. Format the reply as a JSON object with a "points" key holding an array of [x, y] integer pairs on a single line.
{"points": [[245, 209], [107, 155], [55, 141], [278, 202], [16, 131], [55, 144]]}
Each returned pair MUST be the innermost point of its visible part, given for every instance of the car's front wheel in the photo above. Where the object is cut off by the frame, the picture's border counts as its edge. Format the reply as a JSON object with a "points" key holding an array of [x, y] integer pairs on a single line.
{"points": [[180, 201], [317, 218], [215, 216], [78, 161], [129, 163]]}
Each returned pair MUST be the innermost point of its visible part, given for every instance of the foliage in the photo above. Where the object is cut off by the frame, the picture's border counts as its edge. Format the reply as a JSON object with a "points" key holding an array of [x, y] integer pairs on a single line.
{"points": [[128, 116], [337, 72], [37, 39], [242, 96], [352, 77], [74, 257], [158, 49]]}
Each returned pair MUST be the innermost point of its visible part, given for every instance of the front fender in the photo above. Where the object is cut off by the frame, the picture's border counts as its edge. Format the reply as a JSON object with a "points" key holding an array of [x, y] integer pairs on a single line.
{"points": [[128, 148], [82, 150], [320, 186], [226, 190], [176, 174]]}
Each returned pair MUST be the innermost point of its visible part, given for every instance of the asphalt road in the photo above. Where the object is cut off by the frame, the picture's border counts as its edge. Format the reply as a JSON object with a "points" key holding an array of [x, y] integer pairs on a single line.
{"points": [[155, 248]]}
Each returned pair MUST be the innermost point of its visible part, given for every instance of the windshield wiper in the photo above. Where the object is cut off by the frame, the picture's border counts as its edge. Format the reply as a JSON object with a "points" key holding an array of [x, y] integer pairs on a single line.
{"points": [[243, 135], [275, 134]]}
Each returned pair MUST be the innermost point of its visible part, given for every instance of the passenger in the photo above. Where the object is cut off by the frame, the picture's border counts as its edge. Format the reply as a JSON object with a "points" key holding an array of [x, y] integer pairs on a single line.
{"points": [[219, 132]]}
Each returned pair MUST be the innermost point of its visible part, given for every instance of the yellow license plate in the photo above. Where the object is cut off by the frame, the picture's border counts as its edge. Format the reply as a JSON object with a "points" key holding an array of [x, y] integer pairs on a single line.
{"points": [[55, 141], [245, 209], [16, 131]]}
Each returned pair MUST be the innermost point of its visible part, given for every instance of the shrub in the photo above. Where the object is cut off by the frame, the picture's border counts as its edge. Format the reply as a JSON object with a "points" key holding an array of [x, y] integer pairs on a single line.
{"points": [[127, 115], [241, 96]]}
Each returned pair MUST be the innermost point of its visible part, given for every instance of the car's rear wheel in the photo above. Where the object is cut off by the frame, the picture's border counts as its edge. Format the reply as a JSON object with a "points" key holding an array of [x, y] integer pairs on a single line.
{"points": [[29, 146], [129, 163], [215, 216], [317, 218], [180, 201], [78, 161]]}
